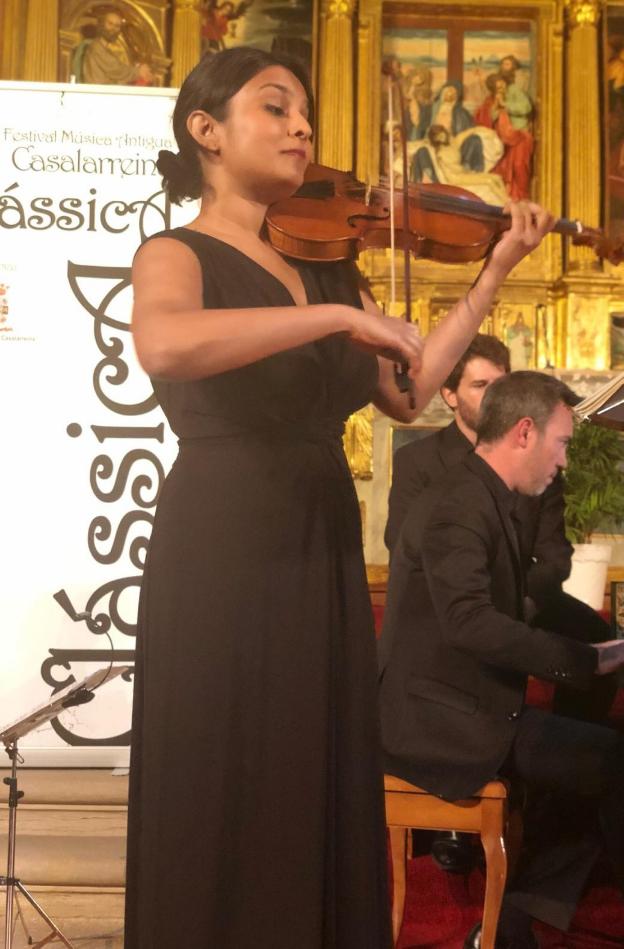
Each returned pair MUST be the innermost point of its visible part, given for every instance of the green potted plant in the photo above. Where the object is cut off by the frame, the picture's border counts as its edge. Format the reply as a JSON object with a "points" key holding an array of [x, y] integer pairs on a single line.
{"points": [[594, 498]]}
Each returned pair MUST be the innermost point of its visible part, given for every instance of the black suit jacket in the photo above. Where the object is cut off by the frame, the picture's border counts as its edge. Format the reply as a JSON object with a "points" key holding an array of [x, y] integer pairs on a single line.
{"points": [[455, 652], [545, 550]]}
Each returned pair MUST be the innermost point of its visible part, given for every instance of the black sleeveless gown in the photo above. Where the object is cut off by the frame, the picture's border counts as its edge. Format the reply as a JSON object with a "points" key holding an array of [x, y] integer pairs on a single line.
{"points": [[256, 799]]}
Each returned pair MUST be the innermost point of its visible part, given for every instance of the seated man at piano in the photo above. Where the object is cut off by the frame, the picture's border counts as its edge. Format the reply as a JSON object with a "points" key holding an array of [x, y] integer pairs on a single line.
{"points": [[457, 648], [546, 552]]}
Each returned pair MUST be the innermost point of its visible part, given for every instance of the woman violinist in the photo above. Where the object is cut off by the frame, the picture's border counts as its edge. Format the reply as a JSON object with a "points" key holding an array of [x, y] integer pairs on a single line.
{"points": [[256, 802]]}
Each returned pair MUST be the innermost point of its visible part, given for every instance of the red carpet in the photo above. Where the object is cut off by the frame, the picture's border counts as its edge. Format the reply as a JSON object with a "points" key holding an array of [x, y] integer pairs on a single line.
{"points": [[441, 908]]}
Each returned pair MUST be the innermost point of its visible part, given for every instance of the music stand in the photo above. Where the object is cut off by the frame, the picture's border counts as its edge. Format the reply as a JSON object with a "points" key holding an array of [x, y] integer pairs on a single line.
{"points": [[611, 414], [605, 406], [76, 694]]}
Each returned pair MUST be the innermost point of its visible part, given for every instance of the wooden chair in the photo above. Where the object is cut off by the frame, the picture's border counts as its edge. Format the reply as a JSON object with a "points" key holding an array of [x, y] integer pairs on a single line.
{"points": [[486, 814]]}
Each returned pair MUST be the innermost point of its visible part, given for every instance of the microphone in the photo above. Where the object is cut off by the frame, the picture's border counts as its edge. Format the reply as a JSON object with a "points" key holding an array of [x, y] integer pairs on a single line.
{"points": [[65, 603]]}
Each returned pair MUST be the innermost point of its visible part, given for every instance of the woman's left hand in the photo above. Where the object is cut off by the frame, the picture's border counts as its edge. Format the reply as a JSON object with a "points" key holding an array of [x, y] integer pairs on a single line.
{"points": [[529, 225]]}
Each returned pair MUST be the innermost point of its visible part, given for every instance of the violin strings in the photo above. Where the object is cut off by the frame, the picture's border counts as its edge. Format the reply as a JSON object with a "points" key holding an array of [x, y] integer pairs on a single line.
{"points": [[437, 202], [456, 204], [430, 201]]}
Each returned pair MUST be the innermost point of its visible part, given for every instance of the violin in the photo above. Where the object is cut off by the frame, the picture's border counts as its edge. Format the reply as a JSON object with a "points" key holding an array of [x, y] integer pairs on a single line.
{"points": [[333, 216]]}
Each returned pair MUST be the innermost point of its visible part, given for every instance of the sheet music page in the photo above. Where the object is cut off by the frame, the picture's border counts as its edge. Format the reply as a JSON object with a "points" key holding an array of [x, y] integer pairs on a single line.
{"points": [[599, 398], [43, 713]]}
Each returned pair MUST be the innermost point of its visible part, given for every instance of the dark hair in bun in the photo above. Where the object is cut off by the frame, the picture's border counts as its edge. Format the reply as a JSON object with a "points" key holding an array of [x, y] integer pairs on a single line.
{"points": [[209, 87]]}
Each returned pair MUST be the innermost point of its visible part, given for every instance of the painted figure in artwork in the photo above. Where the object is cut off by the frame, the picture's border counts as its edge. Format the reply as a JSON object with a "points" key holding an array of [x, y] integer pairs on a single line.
{"points": [[400, 89], [449, 113], [447, 156], [109, 59], [518, 102], [617, 347], [475, 89], [506, 110], [519, 339], [219, 22], [615, 67], [419, 103], [454, 150], [615, 126]]}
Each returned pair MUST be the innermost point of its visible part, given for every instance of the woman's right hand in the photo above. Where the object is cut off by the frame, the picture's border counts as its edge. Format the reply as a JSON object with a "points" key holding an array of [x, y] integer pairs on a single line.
{"points": [[387, 336]]}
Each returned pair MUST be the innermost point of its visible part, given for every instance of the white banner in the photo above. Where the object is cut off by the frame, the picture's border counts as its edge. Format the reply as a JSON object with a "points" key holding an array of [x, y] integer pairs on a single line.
{"points": [[84, 447]]}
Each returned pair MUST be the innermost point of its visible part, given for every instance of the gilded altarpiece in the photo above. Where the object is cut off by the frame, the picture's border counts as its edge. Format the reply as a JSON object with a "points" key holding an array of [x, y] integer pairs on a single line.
{"points": [[464, 50], [559, 308]]}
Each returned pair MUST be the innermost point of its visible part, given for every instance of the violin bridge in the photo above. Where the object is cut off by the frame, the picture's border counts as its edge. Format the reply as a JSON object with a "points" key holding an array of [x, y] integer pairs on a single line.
{"points": [[367, 196]]}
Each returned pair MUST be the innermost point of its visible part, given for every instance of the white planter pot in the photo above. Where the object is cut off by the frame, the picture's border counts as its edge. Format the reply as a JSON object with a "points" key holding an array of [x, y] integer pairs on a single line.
{"points": [[589, 573]]}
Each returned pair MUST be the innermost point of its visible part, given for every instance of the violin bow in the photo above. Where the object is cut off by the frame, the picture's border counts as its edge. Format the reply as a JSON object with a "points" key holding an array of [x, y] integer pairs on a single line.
{"points": [[403, 381], [391, 189]]}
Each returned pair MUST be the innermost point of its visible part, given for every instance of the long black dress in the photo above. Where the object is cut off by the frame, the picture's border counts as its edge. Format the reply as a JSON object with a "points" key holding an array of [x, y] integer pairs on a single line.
{"points": [[256, 804]]}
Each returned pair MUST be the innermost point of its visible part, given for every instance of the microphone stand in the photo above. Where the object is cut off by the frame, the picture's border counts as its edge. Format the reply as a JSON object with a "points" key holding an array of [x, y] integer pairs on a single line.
{"points": [[12, 883], [76, 693]]}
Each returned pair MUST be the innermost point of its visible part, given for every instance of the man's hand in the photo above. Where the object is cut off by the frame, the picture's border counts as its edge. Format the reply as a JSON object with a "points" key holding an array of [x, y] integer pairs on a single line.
{"points": [[610, 656]]}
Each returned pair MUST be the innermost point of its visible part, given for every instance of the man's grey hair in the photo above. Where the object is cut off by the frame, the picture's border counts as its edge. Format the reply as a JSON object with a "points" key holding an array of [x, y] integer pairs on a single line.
{"points": [[521, 394]]}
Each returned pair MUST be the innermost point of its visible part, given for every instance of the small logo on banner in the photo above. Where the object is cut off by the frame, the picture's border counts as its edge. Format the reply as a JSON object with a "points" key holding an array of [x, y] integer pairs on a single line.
{"points": [[5, 326]]}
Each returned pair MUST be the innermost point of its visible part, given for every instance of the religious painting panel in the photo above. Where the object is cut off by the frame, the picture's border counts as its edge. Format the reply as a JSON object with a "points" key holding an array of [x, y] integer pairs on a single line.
{"points": [[113, 44], [286, 26], [613, 32], [588, 332], [616, 339], [516, 325], [468, 91]]}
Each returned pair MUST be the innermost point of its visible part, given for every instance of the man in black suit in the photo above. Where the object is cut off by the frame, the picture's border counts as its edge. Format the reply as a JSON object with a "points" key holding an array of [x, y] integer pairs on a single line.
{"points": [[545, 550], [456, 651]]}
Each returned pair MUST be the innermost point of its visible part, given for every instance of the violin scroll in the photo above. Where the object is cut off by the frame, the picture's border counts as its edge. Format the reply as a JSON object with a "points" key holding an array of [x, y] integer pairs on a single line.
{"points": [[605, 247]]}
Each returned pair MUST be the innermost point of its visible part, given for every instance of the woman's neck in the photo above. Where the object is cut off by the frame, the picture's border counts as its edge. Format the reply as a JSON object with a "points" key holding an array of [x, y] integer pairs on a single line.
{"points": [[231, 215]]}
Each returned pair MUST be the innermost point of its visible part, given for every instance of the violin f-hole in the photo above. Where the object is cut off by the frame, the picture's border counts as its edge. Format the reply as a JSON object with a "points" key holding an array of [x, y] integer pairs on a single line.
{"points": [[352, 218]]}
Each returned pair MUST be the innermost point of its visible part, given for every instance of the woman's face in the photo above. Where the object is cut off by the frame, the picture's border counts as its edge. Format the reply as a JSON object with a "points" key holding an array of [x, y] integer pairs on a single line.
{"points": [[449, 94], [264, 141]]}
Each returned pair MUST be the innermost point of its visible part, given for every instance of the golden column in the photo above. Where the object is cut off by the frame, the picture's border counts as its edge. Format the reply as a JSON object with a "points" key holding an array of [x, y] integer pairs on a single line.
{"points": [[335, 127], [10, 30], [585, 310], [186, 43], [583, 126], [42, 38], [369, 91]]}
